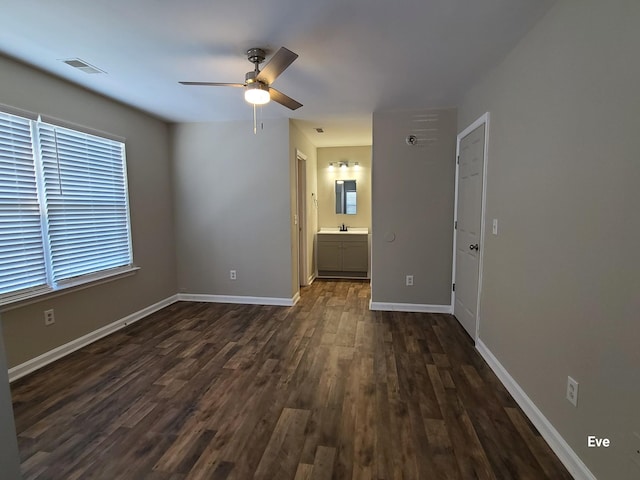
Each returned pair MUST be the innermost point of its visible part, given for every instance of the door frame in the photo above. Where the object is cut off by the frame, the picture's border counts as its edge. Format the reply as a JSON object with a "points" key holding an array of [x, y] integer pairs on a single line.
{"points": [[482, 120], [301, 201]]}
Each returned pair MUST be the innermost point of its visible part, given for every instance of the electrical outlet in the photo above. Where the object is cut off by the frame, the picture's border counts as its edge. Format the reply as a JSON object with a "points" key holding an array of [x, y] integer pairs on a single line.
{"points": [[49, 318], [572, 391], [409, 280], [232, 275]]}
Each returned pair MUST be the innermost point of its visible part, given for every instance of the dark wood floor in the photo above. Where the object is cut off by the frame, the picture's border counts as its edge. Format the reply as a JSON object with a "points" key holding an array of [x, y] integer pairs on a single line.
{"points": [[326, 389]]}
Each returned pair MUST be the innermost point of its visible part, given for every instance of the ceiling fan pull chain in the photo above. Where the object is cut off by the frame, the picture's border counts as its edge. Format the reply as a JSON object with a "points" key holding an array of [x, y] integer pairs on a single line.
{"points": [[255, 121]]}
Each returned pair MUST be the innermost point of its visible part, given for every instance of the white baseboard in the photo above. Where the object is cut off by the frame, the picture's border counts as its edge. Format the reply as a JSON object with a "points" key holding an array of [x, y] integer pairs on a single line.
{"points": [[295, 299], [560, 447], [309, 280], [40, 361], [410, 307], [200, 297]]}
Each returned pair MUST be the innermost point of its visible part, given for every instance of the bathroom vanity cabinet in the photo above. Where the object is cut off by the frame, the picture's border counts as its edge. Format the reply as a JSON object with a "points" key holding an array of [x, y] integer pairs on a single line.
{"points": [[343, 255]]}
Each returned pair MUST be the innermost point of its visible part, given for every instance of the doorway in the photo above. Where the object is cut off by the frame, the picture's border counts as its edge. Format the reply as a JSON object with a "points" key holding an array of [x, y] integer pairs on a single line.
{"points": [[469, 223]]}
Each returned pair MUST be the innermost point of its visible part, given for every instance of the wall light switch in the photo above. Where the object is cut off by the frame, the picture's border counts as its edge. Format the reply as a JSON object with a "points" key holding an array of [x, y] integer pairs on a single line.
{"points": [[572, 391], [494, 228]]}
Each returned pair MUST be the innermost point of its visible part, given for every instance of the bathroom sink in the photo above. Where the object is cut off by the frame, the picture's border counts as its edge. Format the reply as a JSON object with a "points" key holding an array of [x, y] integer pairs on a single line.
{"points": [[352, 230]]}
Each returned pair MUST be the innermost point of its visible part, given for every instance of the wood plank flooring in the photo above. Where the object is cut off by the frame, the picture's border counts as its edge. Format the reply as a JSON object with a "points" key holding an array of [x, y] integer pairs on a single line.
{"points": [[323, 390]]}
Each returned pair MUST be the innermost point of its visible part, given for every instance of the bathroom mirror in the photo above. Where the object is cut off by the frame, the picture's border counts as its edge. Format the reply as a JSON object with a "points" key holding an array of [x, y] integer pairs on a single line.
{"points": [[346, 197]]}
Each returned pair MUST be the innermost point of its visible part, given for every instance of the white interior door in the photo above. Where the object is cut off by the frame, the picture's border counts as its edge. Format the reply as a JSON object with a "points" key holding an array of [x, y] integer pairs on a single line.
{"points": [[468, 230]]}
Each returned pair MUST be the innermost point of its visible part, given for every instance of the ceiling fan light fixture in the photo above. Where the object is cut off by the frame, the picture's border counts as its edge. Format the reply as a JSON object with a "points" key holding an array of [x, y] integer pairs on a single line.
{"points": [[257, 83], [257, 93]]}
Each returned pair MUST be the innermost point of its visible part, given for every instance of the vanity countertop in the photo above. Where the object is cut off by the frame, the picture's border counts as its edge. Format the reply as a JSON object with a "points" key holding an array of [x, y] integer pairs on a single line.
{"points": [[351, 230]]}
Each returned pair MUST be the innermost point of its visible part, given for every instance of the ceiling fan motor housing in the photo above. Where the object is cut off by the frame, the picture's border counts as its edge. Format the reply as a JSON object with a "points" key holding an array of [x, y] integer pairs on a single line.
{"points": [[256, 55], [250, 77]]}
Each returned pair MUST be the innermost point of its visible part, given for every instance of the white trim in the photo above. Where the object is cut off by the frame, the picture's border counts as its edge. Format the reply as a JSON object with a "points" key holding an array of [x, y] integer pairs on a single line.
{"points": [[295, 299], [301, 218], [484, 119], [201, 297], [18, 112], [39, 117], [40, 361], [300, 155], [560, 447], [86, 281], [410, 307], [58, 122], [455, 229]]}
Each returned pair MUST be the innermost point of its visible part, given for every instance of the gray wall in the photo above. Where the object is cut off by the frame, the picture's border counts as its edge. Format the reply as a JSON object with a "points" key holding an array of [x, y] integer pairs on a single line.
{"points": [[233, 208], [78, 313], [561, 280], [9, 457], [413, 198]]}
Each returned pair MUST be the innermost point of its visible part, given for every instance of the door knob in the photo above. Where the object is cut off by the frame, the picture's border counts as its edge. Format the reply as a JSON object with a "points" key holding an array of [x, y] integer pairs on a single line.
{"points": [[473, 247]]}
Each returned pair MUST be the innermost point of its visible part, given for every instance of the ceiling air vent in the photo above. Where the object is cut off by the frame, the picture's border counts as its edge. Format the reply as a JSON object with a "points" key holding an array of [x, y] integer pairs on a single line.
{"points": [[319, 130], [82, 65]]}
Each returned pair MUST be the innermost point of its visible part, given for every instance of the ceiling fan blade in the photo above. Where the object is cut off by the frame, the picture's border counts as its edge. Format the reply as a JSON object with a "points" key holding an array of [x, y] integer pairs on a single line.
{"points": [[282, 99], [214, 84], [274, 67]]}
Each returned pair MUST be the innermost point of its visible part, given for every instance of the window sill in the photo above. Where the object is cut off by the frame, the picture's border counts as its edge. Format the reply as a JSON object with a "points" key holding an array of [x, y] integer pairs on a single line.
{"points": [[71, 286]]}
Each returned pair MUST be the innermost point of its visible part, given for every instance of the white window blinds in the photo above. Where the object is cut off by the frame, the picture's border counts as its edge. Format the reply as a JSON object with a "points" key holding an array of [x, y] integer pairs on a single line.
{"points": [[22, 264], [86, 202], [64, 214]]}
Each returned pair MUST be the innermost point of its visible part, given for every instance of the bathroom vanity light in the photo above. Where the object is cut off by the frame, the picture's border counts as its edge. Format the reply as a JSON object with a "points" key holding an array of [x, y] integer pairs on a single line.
{"points": [[344, 164]]}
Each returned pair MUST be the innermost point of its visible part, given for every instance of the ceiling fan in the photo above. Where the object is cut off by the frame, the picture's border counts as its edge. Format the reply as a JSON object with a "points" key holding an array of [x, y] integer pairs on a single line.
{"points": [[257, 86]]}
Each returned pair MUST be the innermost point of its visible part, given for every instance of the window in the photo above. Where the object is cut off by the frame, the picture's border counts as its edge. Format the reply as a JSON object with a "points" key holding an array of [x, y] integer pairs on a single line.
{"points": [[21, 247], [350, 201], [64, 215]]}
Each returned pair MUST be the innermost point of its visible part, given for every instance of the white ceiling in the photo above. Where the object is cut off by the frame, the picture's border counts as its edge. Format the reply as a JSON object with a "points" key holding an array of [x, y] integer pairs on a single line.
{"points": [[356, 56]]}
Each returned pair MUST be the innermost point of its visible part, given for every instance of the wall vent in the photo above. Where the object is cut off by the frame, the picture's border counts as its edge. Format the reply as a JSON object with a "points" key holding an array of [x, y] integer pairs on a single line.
{"points": [[425, 127], [82, 65]]}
